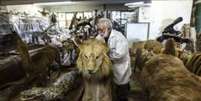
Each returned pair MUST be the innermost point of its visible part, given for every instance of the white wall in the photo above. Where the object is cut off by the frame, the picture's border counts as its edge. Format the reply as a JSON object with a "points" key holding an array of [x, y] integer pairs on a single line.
{"points": [[163, 12]]}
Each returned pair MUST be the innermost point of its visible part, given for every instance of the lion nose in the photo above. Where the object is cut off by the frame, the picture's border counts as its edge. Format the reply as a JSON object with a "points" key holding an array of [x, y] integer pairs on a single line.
{"points": [[90, 71]]}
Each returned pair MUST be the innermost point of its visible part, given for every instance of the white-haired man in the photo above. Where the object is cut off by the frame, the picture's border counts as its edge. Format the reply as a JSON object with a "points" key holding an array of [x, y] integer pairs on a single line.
{"points": [[119, 54]]}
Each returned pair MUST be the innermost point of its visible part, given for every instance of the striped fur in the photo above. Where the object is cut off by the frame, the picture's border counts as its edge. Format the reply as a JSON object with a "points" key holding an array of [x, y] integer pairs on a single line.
{"points": [[193, 63]]}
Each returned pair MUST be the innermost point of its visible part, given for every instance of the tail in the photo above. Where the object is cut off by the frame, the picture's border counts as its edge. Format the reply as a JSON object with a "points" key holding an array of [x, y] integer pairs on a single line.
{"points": [[170, 47]]}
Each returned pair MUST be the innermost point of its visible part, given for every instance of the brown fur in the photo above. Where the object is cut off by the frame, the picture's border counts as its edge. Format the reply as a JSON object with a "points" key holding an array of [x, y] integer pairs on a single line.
{"points": [[170, 48], [154, 46], [95, 66], [135, 46], [145, 49], [166, 79], [37, 66], [186, 31], [193, 63]]}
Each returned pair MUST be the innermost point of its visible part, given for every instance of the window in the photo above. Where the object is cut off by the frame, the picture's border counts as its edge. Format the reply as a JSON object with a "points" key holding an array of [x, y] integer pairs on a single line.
{"points": [[64, 18], [124, 17], [61, 19]]}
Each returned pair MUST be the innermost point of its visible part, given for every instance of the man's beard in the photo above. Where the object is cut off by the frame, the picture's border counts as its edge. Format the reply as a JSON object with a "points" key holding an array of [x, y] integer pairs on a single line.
{"points": [[105, 34]]}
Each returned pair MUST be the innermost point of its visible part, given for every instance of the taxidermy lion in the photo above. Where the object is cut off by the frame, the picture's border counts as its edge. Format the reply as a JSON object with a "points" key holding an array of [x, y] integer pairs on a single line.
{"points": [[165, 78], [94, 69]]}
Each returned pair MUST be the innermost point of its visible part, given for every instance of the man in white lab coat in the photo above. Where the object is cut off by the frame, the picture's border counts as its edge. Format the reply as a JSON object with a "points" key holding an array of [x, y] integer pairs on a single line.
{"points": [[119, 54]]}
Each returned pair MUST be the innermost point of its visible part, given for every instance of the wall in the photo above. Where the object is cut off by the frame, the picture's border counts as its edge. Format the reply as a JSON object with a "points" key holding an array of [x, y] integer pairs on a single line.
{"points": [[163, 12]]}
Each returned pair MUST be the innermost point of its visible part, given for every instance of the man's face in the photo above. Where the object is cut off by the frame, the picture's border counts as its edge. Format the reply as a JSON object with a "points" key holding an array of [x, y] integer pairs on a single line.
{"points": [[103, 31]]}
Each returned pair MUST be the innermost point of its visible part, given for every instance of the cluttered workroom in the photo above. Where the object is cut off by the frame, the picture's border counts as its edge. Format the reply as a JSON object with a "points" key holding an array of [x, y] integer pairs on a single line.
{"points": [[100, 50]]}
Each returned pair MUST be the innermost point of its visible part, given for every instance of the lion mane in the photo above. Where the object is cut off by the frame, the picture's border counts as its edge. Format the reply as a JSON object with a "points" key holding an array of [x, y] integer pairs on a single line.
{"points": [[93, 58]]}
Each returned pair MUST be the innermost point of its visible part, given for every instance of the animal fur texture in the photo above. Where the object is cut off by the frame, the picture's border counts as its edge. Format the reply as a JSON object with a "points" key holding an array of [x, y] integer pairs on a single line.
{"points": [[41, 61], [193, 63], [135, 46], [145, 48], [38, 64], [54, 92], [170, 48], [93, 59], [154, 46], [22, 49], [150, 45], [95, 67], [167, 79]]}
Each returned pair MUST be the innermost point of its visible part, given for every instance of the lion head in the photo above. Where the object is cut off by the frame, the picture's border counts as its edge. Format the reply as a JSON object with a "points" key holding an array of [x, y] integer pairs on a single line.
{"points": [[93, 60]]}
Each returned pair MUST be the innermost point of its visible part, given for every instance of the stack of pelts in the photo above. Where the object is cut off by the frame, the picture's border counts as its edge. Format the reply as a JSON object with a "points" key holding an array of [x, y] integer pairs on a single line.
{"points": [[165, 78]]}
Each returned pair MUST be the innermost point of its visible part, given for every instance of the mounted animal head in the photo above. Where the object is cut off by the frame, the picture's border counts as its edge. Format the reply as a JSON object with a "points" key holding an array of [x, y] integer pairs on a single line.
{"points": [[93, 60]]}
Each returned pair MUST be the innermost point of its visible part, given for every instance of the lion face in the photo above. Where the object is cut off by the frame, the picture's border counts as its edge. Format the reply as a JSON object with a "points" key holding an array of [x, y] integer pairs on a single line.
{"points": [[93, 59]]}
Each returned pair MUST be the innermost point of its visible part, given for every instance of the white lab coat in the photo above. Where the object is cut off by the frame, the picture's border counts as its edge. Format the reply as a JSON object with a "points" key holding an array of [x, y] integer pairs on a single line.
{"points": [[119, 54]]}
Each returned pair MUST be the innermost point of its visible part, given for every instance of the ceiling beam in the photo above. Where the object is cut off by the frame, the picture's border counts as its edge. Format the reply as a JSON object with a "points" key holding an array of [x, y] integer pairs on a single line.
{"points": [[18, 2]]}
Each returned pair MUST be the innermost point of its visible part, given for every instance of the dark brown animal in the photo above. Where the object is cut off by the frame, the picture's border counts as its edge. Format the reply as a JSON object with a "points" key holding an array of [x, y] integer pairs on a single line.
{"points": [[37, 66]]}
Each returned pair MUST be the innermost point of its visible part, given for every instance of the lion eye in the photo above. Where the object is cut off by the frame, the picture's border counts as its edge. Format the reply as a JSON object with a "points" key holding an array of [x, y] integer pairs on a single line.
{"points": [[97, 57], [85, 56]]}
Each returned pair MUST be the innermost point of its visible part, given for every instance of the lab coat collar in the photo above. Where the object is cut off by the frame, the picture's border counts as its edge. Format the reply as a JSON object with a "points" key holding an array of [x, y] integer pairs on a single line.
{"points": [[112, 33]]}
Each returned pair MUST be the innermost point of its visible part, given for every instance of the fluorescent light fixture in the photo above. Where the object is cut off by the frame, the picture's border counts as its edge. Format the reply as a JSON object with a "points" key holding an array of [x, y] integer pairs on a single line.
{"points": [[134, 3], [137, 4], [56, 3]]}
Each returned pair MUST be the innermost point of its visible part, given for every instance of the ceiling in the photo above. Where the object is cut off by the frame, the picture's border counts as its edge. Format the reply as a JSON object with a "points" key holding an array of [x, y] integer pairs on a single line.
{"points": [[18, 2]]}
